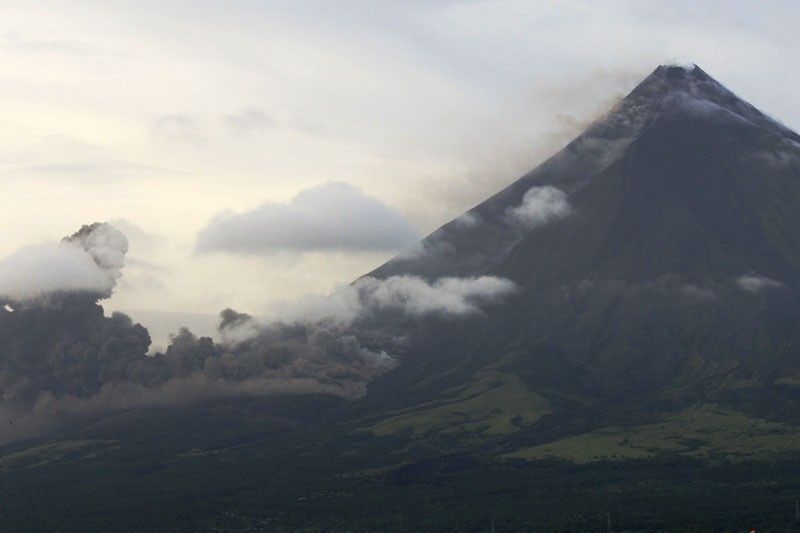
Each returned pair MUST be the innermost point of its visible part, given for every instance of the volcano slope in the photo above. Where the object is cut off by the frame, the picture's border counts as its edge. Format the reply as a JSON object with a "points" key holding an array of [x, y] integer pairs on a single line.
{"points": [[645, 371], [657, 260]]}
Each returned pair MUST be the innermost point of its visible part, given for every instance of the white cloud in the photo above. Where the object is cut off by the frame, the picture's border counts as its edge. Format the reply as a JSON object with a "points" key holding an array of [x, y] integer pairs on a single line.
{"points": [[756, 283], [90, 260], [446, 296], [411, 295], [36, 270], [334, 216], [539, 206]]}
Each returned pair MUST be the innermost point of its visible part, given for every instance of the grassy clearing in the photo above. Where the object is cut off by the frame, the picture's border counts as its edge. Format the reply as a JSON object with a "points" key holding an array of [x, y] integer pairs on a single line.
{"points": [[494, 403], [56, 451], [706, 431]]}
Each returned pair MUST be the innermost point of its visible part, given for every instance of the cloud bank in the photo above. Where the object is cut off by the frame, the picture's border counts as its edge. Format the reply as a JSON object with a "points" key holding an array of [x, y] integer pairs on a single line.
{"points": [[334, 216]]}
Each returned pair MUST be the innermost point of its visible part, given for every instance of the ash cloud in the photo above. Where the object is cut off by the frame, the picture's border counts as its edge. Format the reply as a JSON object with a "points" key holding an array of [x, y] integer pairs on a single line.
{"points": [[61, 356], [334, 216]]}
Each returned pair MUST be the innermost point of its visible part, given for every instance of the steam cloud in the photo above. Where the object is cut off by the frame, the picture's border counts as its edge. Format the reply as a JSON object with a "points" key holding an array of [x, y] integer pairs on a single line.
{"points": [[60, 354]]}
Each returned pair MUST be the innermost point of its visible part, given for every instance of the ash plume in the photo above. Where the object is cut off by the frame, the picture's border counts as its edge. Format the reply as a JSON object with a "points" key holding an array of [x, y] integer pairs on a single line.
{"points": [[61, 356]]}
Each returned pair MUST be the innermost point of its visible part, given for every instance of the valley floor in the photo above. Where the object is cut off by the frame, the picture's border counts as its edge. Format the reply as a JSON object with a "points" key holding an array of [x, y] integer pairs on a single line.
{"points": [[175, 475]]}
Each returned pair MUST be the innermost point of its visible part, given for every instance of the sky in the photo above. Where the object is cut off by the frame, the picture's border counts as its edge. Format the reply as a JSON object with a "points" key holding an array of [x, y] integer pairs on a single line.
{"points": [[256, 152]]}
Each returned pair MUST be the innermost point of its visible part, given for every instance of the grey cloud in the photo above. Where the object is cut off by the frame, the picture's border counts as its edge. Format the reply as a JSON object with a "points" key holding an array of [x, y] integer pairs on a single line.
{"points": [[331, 217]]}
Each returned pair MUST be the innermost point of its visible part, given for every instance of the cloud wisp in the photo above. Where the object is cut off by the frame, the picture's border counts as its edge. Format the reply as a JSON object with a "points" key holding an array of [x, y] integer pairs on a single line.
{"points": [[334, 216]]}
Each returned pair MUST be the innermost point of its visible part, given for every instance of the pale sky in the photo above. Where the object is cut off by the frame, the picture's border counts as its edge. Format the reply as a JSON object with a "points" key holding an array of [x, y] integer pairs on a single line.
{"points": [[164, 116]]}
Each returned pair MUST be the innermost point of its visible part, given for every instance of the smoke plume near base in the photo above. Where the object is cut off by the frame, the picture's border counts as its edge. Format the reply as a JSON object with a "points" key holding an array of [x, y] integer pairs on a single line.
{"points": [[61, 357]]}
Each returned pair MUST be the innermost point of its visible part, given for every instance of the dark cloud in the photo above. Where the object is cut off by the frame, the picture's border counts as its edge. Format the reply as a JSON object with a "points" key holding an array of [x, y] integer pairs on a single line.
{"points": [[331, 217]]}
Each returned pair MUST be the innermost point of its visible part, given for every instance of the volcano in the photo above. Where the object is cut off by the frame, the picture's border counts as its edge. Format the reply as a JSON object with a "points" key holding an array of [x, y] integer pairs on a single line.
{"points": [[645, 371], [657, 260]]}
